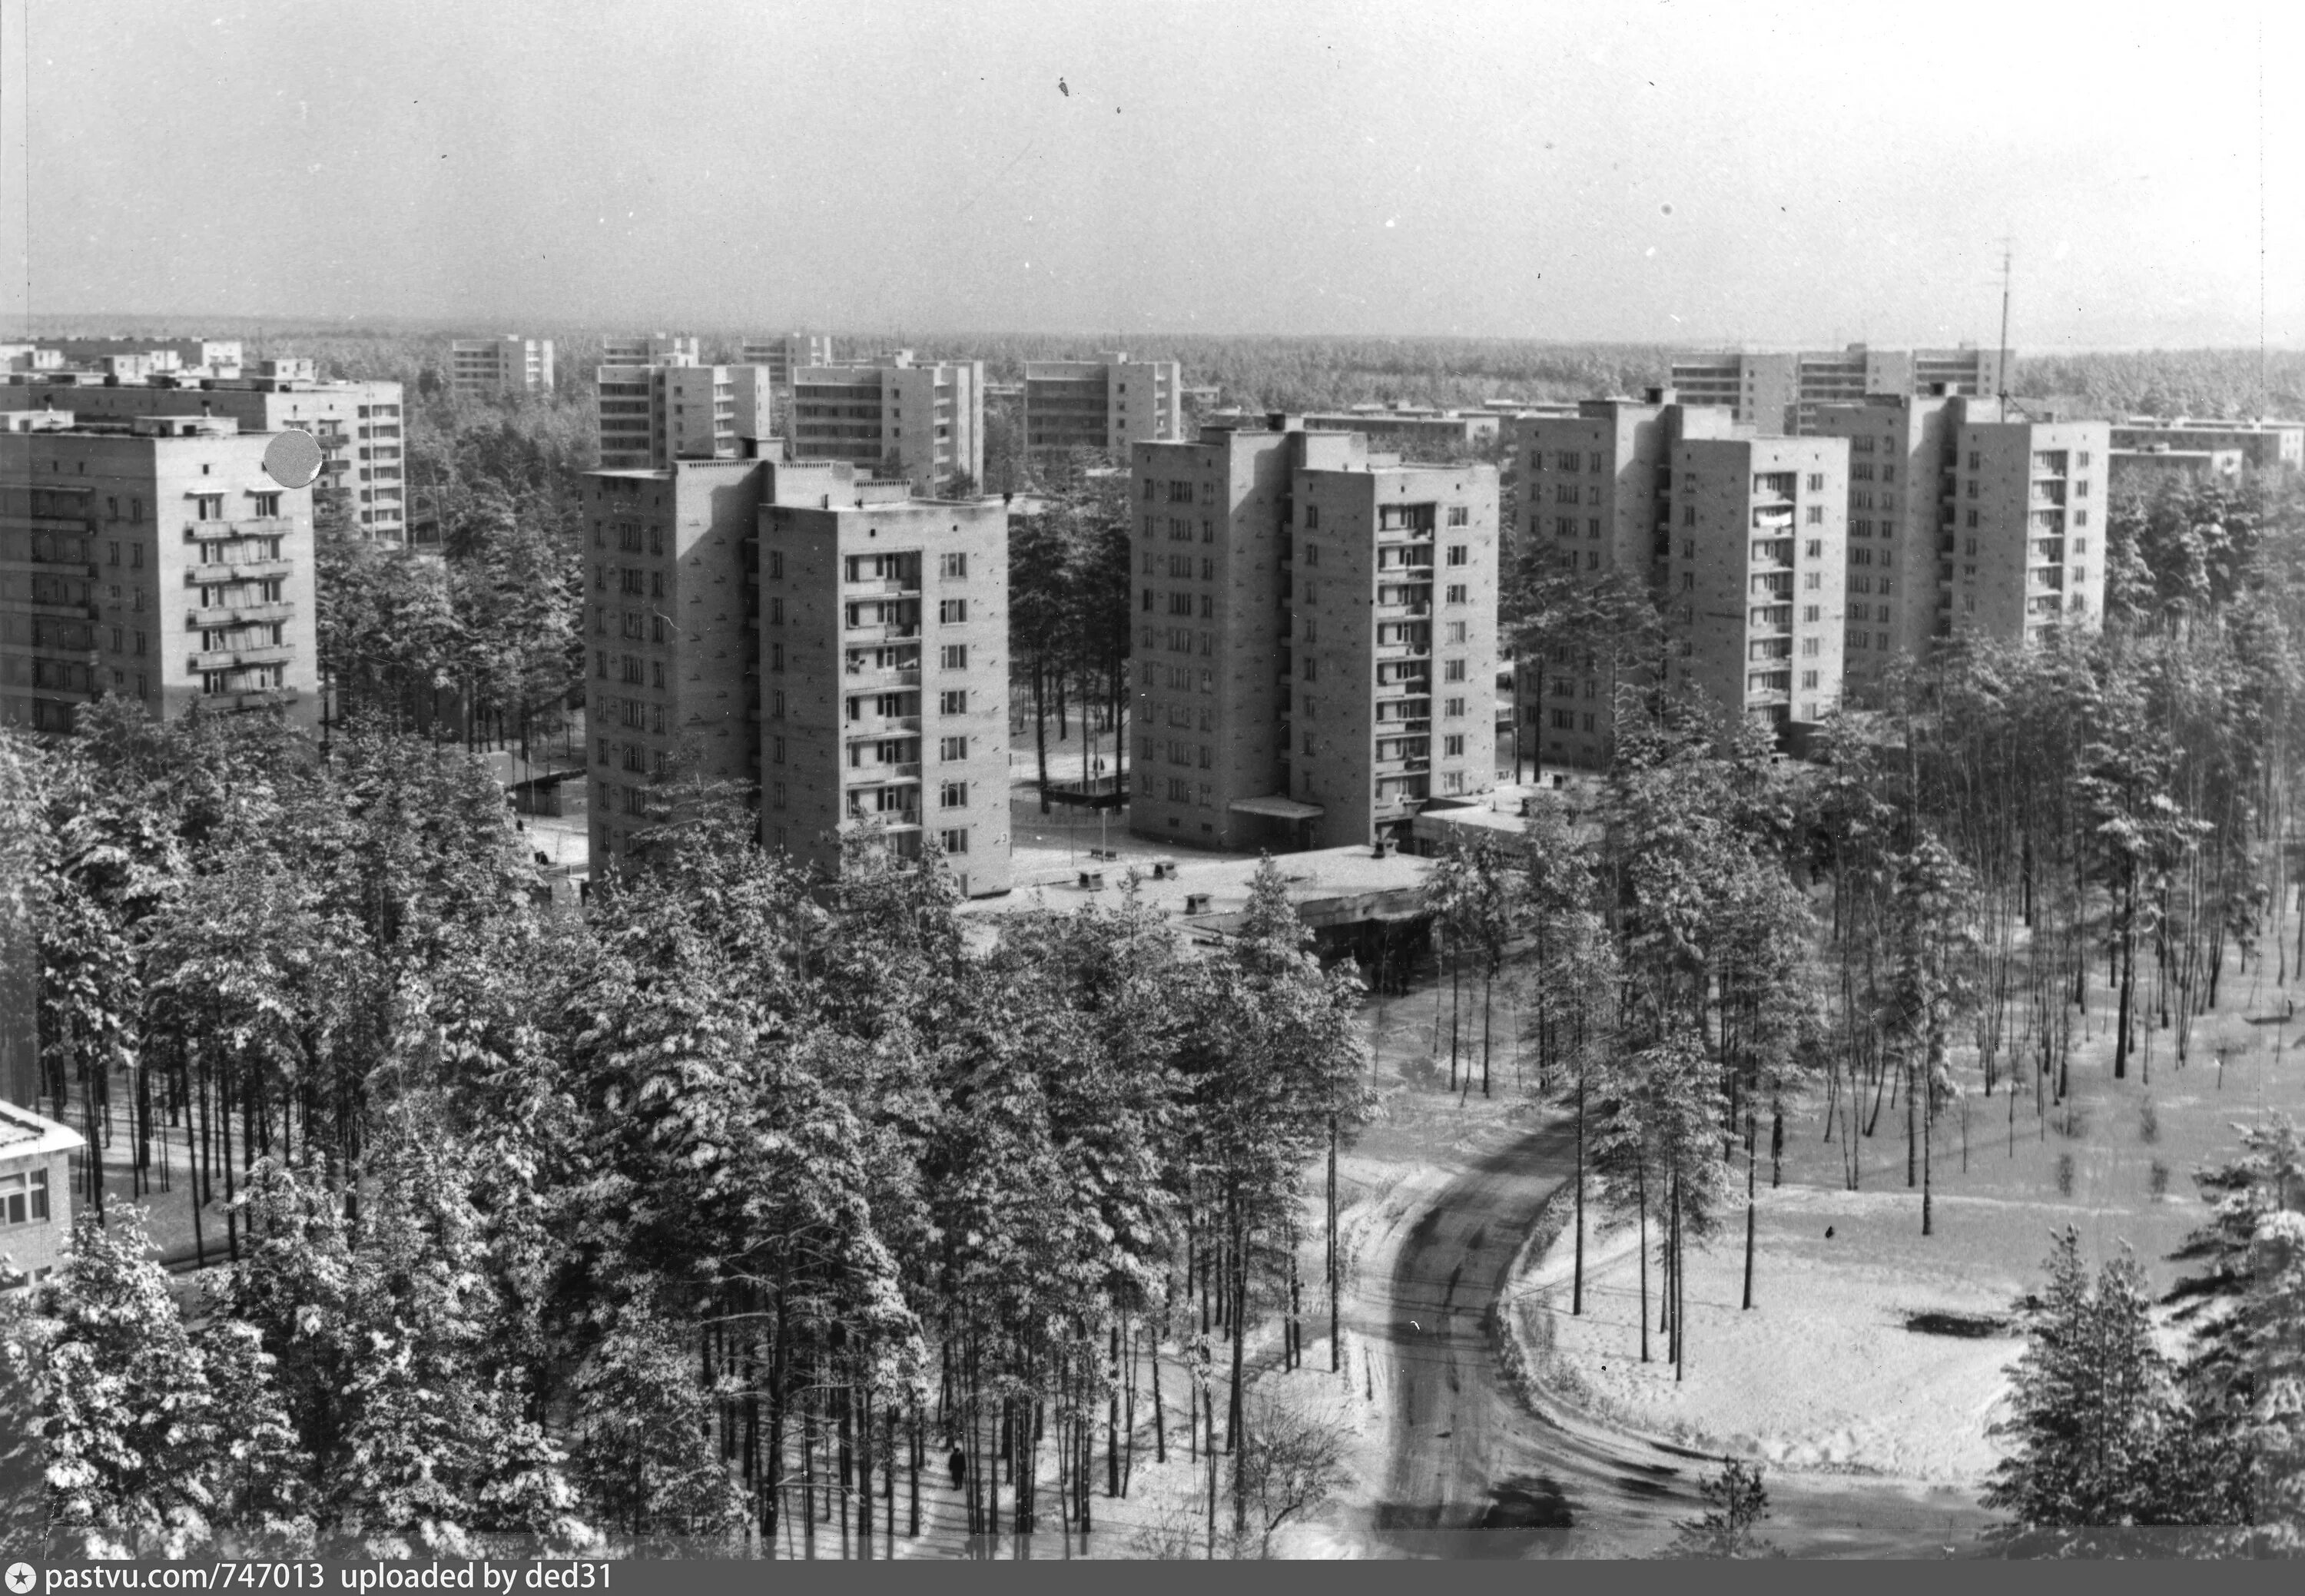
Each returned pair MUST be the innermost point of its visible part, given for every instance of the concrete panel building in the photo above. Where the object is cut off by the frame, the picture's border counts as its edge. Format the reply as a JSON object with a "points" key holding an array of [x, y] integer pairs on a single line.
{"points": [[152, 559], [654, 414], [2021, 544], [657, 349], [1110, 403], [1781, 391], [1409, 426], [2160, 463], [36, 1189], [358, 425], [1307, 683], [510, 364], [1899, 447], [146, 356], [895, 417], [1595, 487], [1757, 571], [2263, 444], [731, 639], [785, 356]]}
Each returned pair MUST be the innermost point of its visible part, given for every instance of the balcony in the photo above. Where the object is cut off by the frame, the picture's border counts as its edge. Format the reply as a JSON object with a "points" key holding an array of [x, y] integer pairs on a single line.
{"points": [[223, 616], [254, 698], [61, 608], [252, 526], [899, 586], [262, 653], [880, 725], [1408, 607], [893, 632], [236, 570]]}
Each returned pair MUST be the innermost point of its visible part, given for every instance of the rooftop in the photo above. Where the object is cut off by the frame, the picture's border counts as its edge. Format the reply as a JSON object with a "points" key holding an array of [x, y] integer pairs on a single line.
{"points": [[25, 1134]]}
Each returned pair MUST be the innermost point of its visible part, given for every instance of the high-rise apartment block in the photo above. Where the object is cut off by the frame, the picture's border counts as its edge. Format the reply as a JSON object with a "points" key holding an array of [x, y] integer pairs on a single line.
{"points": [[670, 408], [657, 349], [1317, 652], [894, 417], [511, 364], [358, 425], [1595, 486], [1967, 518], [153, 557], [1109, 404], [832, 643], [1754, 575], [785, 356], [1781, 391]]}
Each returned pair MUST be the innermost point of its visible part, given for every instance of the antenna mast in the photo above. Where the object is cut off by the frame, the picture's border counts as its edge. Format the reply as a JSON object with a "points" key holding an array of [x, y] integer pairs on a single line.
{"points": [[2001, 365]]}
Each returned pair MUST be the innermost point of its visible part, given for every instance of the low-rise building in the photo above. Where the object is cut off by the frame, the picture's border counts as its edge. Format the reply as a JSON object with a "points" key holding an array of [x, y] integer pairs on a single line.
{"points": [[36, 1188], [2263, 444], [2160, 463]]}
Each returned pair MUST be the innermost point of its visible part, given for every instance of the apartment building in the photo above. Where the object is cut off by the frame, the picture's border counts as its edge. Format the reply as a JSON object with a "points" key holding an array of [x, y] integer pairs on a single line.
{"points": [[1756, 573], [146, 356], [2263, 444], [36, 1189], [1110, 403], [1409, 426], [2020, 547], [1595, 491], [657, 349], [2160, 463], [785, 356], [1898, 447], [358, 425], [483, 368], [651, 416], [152, 558], [1316, 656], [769, 623], [1781, 391], [895, 417]]}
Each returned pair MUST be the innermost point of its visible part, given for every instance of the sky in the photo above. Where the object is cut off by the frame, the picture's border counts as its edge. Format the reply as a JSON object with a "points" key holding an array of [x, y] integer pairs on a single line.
{"points": [[1644, 171]]}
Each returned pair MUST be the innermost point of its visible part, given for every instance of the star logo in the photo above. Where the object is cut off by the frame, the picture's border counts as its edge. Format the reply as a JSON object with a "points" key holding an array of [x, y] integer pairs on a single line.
{"points": [[21, 1578]]}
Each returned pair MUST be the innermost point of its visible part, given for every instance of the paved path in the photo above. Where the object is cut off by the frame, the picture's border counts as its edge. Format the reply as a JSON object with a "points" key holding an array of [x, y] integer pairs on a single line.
{"points": [[1474, 1474]]}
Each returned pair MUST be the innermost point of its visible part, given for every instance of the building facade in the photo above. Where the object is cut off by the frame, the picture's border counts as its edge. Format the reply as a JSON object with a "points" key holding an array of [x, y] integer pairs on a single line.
{"points": [[36, 1187], [2263, 444], [1899, 447], [835, 647], [785, 356], [654, 414], [510, 364], [1316, 649], [1781, 391], [153, 559], [2021, 545], [1109, 404], [144, 357], [1756, 573], [1595, 491], [893, 418], [358, 425]]}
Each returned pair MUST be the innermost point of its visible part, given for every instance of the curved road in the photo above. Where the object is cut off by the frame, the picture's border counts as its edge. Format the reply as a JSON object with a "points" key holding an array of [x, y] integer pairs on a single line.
{"points": [[1473, 1473]]}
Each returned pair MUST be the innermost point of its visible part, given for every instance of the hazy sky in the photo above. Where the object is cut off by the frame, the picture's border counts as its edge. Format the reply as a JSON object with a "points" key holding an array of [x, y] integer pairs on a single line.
{"points": [[1636, 171]]}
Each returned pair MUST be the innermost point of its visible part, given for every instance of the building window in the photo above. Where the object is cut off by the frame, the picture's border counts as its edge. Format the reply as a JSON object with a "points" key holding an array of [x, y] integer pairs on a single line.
{"points": [[954, 795], [1452, 708], [1457, 631], [776, 750], [1452, 670], [954, 656], [1455, 594], [1809, 679], [24, 1198], [1460, 515], [1815, 515], [953, 702], [1460, 554], [207, 507], [950, 750], [267, 504], [952, 611], [954, 839], [953, 566], [1453, 747]]}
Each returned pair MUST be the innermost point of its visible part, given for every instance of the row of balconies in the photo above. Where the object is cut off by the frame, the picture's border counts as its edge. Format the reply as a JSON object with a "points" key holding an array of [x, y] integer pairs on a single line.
{"points": [[225, 658], [222, 615], [250, 526], [236, 570]]}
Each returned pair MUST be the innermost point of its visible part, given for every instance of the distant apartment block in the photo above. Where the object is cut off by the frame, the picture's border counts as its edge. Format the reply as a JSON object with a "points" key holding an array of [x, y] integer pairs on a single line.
{"points": [[152, 558], [1410, 425], [893, 418], [835, 646], [1595, 491], [511, 364], [1109, 404], [1756, 573], [1316, 649], [2263, 444], [358, 425], [657, 349], [785, 356], [130, 357], [1781, 391]]}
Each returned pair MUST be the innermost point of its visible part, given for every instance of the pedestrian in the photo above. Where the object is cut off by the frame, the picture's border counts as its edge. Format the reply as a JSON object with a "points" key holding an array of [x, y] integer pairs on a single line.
{"points": [[958, 1463]]}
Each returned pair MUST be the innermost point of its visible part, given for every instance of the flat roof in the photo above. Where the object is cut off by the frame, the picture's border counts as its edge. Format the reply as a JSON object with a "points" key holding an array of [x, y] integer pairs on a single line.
{"points": [[1323, 885]]}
